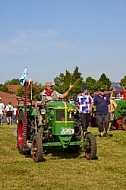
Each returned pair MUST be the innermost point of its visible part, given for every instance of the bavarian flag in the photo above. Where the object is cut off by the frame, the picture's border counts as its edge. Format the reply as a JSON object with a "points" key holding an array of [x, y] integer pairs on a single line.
{"points": [[24, 77]]}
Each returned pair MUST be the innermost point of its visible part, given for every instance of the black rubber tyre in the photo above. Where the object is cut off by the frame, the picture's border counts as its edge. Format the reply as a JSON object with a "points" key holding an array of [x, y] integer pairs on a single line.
{"points": [[20, 132], [37, 148], [31, 128], [124, 123], [77, 128], [91, 148]]}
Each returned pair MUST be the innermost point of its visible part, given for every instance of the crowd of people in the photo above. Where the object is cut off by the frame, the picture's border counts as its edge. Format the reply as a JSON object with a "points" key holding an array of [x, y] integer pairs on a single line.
{"points": [[104, 107], [9, 111]]}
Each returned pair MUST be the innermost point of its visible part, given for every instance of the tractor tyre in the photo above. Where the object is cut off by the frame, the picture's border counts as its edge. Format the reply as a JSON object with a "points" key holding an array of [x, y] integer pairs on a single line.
{"points": [[118, 123], [91, 147], [31, 128], [20, 132], [124, 123], [37, 148]]}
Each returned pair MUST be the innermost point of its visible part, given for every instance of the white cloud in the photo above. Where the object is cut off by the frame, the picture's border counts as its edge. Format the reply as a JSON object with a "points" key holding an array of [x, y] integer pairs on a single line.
{"points": [[33, 41]]}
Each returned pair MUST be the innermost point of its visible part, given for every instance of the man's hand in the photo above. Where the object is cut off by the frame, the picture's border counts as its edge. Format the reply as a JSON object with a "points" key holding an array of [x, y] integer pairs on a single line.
{"points": [[71, 86]]}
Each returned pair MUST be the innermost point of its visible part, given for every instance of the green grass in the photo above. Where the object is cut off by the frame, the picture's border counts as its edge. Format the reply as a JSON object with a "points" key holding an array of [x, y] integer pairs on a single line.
{"points": [[63, 171]]}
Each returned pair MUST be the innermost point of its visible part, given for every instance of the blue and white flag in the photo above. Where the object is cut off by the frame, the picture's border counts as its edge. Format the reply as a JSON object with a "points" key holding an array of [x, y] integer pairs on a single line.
{"points": [[24, 77]]}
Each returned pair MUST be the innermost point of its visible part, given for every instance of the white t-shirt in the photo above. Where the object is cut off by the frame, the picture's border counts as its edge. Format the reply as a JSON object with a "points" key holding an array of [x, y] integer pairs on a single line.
{"points": [[9, 108], [1, 108], [14, 111]]}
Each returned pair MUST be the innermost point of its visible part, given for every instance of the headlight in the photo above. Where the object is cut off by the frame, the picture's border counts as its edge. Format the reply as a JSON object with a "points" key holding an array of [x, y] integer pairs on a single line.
{"points": [[43, 111]]}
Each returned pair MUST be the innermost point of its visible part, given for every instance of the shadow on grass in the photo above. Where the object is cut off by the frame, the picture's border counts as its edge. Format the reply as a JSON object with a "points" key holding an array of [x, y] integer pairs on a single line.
{"points": [[109, 135], [59, 152]]}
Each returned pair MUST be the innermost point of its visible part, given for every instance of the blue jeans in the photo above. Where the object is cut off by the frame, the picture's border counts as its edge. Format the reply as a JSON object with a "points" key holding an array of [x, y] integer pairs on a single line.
{"points": [[14, 119]]}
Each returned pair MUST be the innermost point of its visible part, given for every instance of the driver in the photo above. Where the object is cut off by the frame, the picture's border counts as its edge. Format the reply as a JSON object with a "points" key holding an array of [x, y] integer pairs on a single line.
{"points": [[49, 94]]}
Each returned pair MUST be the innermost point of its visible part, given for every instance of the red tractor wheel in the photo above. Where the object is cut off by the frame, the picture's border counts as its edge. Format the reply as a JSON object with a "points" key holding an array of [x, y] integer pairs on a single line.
{"points": [[91, 147], [20, 133], [37, 148], [118, 123], [124, 123]]}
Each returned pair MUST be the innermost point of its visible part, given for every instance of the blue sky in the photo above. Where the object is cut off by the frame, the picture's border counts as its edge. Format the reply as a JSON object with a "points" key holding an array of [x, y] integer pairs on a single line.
{"points": [[52, 36]]}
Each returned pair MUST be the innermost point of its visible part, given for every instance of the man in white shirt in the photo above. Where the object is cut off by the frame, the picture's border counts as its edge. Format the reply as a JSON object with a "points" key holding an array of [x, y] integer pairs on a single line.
{"points": [[9, 113], [1, 110]]}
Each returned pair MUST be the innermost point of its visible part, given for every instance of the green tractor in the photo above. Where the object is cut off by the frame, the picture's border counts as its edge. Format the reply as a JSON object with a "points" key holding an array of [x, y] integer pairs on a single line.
{"points": [[61, 127], [120, 115]]}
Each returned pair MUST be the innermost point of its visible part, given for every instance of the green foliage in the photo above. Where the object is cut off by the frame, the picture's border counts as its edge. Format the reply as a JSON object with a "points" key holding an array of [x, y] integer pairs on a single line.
{"points": [[63, 81], [20, 91], [123, 82], [105, 81], [12, 82], [33, 90], [77, 81], [37, 88], [3, 88], [92, 84]]}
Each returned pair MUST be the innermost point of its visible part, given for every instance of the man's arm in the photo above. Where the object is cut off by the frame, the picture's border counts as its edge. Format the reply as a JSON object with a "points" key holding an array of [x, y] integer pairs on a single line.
{"points": [[115, 104], [67, 92]]}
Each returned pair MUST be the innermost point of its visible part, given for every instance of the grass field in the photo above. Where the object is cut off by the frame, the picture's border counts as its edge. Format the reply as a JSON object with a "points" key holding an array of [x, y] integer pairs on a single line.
{"points": [[63, 171]]}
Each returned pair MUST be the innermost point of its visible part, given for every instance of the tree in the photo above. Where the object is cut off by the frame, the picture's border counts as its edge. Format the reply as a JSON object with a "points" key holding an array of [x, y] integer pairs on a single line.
{"points": [[3, 88], [36, 90], [77, 80], [63, 81], [104, 81], [12, 82], [123, 82], [92, 84]]}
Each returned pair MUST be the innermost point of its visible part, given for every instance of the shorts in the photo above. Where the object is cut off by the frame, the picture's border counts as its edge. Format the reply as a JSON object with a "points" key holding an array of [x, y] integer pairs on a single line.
{"points": [[9, 114]]}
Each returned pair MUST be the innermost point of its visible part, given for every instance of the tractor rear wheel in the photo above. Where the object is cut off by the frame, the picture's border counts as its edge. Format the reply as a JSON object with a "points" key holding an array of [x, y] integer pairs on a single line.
{"points": [[124, 123], [91, 147], [20, 132], [37, 148]]}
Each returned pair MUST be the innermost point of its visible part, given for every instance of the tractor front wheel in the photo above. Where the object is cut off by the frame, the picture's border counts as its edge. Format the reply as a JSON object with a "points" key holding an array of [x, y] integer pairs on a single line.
{"points": [[124, 123], [37, 148], [91, 147]]}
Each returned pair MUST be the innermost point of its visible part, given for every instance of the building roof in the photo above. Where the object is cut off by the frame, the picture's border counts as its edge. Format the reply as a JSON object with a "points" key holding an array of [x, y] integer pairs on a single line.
{"points": [[6, 98], [13, 88], [115, 84]]}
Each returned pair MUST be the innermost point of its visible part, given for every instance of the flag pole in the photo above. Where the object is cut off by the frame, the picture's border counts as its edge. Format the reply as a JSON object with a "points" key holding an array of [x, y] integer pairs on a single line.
{"points": [[31, 91], [30, 84]]}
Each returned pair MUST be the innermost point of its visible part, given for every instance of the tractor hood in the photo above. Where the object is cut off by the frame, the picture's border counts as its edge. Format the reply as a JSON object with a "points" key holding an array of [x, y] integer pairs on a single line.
{"points": [[60, 105]]}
